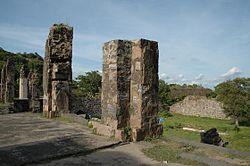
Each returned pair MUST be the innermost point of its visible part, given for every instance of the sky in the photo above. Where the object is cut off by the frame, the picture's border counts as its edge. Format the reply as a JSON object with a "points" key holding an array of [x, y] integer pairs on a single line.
{"points": [[200, 41]]}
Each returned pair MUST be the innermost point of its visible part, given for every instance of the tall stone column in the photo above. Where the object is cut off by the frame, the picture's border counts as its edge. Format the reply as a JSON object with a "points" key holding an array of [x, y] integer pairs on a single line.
{"points": [[130, 88], [23, 85], [3, 83], [8, 91], [57, 74], [116, 83], [144, 89], [34, 91]]}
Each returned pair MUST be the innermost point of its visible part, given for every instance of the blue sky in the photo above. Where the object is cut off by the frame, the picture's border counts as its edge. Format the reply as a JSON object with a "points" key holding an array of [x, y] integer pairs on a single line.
{"points": [[200, 41]]}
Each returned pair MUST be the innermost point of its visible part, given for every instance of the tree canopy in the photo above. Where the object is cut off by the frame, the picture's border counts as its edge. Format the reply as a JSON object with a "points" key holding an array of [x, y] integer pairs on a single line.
{"points": [[235, 96], [28, 60], [88, 85]]}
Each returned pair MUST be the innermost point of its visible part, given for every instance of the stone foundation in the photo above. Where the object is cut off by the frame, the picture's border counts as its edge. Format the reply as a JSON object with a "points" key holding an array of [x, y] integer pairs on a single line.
{"points": [[21, 105]]}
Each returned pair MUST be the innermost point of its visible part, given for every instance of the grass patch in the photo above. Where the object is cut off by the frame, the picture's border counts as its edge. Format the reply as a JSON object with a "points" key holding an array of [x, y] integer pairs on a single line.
{"points": [[237, 140], [65, 119], [170, 151], [3, 105]]}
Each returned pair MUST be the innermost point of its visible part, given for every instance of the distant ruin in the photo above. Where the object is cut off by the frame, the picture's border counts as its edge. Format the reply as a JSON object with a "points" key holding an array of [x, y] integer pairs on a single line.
{"points": [[23, 85], [199, 106], [7, 82], [130, 89], [34, 92], [57, 71]]}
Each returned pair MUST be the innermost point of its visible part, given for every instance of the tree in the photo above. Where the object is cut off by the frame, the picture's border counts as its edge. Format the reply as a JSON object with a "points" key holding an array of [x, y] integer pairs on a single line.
{"points": [[88, 85], [164, 90], [235, 96]]}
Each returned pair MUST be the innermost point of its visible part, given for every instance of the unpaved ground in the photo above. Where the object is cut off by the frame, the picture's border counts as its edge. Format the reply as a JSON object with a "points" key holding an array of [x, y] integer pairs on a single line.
{"points": [[124, 155], [27, 139]]}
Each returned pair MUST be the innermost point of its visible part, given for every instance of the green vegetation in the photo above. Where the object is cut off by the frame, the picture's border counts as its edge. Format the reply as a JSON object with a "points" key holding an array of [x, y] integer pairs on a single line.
{"points": [[88, 85], [237, 140], [128, 134], [30, 61], [170, 151], [172, 93], [235, 96]]}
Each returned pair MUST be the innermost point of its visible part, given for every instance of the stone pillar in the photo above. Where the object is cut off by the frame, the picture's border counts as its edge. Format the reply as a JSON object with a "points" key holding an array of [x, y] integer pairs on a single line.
{"points": [[7, 82], [57, 72], [23, 85], [116, 83], [130, 88], [3, 83], [34, 92], [144, 89]]}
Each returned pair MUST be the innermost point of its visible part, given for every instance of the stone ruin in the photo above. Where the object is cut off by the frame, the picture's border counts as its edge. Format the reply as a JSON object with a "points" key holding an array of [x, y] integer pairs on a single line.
{"points": [[57, 71], [34, 92], [23, 85], [130, 90], [7, 82], [129, 85]]}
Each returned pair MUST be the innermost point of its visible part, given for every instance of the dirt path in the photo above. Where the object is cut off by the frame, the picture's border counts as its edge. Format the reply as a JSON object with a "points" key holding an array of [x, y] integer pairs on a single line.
{"points": [[124, 155], [27, 139]]}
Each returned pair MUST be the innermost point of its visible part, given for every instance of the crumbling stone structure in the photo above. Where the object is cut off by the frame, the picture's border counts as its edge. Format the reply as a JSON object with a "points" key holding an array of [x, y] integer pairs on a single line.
{"points": [[57, 71], [7, 82], [130, 89], [199, 106], [23, 85], [34, 92]]}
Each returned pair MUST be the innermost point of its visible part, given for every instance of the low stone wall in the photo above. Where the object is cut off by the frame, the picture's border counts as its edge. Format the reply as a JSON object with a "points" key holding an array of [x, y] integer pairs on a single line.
{"points": [[199, 106], [87, 106], [21, 105]]}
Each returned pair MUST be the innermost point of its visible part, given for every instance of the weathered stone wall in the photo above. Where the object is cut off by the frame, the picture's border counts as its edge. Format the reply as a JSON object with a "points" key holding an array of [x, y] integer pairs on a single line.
{"points": [[57, 74], [7, 82], [81, 105], [21, 105], [199, 106], [130, 87]]}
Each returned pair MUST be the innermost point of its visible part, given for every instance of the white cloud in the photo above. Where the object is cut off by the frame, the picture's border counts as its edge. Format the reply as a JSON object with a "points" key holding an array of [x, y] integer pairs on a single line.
{"points": [[199, 77], [181, 76], [26, 37], [232, 73], [163, 76]]}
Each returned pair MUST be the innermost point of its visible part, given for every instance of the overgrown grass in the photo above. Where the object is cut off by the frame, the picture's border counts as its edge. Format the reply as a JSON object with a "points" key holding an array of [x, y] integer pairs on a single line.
{"points": [[4, 105], [65, 119], [237, 140], [170, 151]]}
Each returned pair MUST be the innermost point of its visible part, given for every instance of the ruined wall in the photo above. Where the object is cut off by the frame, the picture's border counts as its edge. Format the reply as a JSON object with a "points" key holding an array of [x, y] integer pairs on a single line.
{"points": [[57, 74], [199, 106], [87, 106], [130, 87], [7, 82], [3, 83]]}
